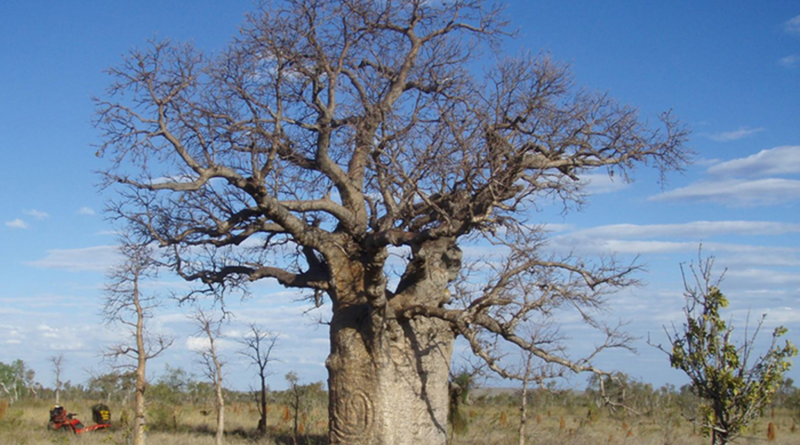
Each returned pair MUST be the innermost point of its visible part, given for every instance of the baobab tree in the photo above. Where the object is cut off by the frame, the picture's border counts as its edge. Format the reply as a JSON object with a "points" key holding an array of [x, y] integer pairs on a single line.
{"points": [[332, 133]]}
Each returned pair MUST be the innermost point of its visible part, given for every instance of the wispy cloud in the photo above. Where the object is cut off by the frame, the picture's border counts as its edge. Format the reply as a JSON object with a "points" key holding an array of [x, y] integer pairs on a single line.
{"points": [[38, 214], [17, 224], [664, 239], [86, 211], [95, 259], [747, 181], [789, 61], [741, 133], [598, 183], [692, 230], [737, 192], [792, 26], [776, 161]]}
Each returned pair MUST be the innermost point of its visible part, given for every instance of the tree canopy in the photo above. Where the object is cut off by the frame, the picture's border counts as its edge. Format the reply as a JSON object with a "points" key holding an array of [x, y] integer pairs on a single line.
{"points": [[331, 134]]}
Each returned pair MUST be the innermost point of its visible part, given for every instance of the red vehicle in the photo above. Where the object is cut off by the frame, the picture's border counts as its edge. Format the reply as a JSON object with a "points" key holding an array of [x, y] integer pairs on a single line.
{"points": [[61, 420]]}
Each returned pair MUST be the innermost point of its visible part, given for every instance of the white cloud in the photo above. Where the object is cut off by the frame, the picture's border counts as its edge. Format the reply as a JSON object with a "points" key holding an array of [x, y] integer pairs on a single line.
{"points": [[17, 224], [761, 279], [197, 344], [741, 133], [792, 25], [736, 192], [775, 161], [789, 61], [85, 211], [38, 214], [598, 183], [98, 258], [665, 239], [694, 229]]}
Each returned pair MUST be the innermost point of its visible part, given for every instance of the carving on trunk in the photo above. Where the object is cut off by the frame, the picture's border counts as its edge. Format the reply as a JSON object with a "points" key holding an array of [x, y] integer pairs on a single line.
{"points": [[355, 419]]}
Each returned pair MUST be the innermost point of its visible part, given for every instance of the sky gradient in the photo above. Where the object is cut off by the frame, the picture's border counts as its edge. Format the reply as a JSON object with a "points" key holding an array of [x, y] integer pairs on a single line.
{"points": [[729, 70]]}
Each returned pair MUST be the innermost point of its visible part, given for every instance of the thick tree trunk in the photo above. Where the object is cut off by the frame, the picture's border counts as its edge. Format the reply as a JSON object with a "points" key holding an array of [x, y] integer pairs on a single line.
{"points": [[388, 379]]}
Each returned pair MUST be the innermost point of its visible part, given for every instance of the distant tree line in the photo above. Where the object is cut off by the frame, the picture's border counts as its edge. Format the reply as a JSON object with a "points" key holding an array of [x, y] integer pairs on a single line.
{"points": [[176, 386]]}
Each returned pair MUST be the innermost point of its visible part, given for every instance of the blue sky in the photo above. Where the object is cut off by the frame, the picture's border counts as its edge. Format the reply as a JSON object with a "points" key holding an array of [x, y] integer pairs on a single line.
{"points": [[730, 70]]}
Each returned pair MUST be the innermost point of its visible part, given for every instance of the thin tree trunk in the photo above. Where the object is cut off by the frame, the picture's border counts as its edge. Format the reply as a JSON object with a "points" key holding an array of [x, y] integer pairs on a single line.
{"points": [[141, 375], [219, 438], [296, 412], [523, 410], [523, 407], [262, 424]]}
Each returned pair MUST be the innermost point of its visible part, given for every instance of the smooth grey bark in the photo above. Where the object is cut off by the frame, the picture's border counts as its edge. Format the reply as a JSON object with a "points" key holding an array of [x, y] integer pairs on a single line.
{"points": [[388, 373], [388, 387]]}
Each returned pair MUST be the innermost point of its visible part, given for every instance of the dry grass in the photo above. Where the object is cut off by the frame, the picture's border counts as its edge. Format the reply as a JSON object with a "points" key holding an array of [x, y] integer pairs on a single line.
{"points": [[500, 426], [24, 424]]}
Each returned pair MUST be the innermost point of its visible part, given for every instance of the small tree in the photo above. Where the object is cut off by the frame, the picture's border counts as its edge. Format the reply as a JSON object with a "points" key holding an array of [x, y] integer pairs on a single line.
{"points": [[734, 388], [297, 394], [58, 368], [126, 305], [258, 348], [212, 365]]}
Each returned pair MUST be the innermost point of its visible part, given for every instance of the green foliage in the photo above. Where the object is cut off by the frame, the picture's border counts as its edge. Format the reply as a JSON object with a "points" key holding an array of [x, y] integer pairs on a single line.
{"points": [[623, 395], [15, 380], [173, 389], [115, 386], [734, 390]]}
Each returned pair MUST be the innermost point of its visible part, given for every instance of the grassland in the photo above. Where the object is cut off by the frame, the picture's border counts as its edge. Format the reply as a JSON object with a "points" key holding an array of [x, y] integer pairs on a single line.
{"points": [[489, 423]]}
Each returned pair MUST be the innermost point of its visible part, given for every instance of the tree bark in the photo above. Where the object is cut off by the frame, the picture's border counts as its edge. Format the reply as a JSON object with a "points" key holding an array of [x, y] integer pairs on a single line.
{"points": [[219, 437], [139, 420], [388, 380], [387, 373], [523, 409], [262, 407]]}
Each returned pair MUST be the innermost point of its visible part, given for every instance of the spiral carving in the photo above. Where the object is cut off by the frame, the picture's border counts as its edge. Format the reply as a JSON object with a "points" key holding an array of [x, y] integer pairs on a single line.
{"points": [[355, 418]]}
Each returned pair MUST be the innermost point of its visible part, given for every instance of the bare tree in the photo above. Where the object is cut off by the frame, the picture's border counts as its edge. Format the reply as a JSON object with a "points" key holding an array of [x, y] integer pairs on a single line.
{"points": [[530, 368], [329, 133], [211, 329], [58, 368], [297, 394], [257, 347], [127, 305]]}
